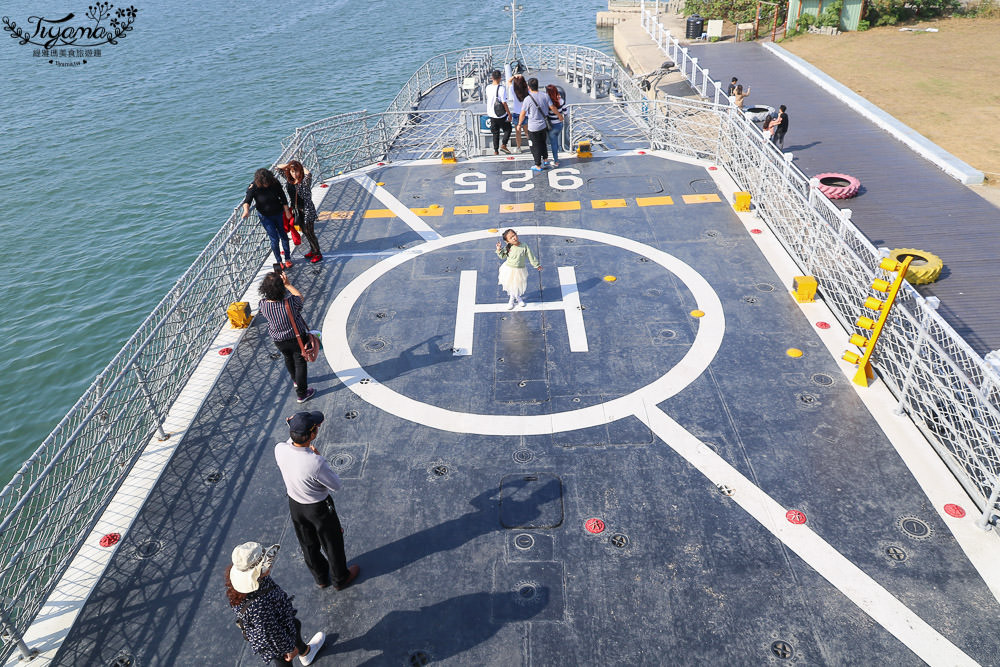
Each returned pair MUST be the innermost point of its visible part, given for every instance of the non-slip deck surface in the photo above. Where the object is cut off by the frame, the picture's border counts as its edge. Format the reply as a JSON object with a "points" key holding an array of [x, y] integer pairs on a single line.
{"points": [[472, 544]]}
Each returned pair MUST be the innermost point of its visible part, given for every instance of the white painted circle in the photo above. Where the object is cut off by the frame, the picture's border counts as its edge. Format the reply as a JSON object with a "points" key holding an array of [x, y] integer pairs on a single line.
{"points": [[706, 344]]}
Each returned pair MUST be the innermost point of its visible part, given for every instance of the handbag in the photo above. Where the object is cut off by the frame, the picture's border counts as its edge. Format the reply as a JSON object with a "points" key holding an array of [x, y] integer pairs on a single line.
{"points": [[310, 350]]}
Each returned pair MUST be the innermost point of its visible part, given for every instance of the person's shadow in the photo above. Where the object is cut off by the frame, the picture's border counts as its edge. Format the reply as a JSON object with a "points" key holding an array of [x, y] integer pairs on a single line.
{"points": [[440, 631], [456, 532]]}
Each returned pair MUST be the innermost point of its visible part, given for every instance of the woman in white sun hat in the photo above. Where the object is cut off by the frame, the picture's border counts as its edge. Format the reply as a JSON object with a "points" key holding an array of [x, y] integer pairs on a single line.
{"points": [[264, 612]]}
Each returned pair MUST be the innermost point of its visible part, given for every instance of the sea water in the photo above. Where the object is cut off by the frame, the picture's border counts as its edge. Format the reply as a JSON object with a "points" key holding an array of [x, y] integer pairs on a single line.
{"points": [[115, 173]]}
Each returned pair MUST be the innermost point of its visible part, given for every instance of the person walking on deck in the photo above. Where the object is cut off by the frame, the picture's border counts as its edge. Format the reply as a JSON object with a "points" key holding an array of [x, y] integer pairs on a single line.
{"points": [[308, 481], [515, 100], [513, 275], [281, 302], [556, 119], [499, 113], [535, 108], [267, 195]]}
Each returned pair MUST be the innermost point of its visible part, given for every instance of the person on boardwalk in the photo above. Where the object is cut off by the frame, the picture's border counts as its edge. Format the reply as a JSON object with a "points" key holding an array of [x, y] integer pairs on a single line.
{"points": [[556, 118], [499, 113], [782, 127], [738, 96], [535, 108], [513, 274], [266, 193], [308, 481], [264, 611], [280, 296], [518, 91], [299, 187]]}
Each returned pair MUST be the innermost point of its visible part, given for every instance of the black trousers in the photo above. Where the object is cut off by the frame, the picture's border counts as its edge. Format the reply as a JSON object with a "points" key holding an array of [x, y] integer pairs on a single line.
{"points": [[317, 527], [295, 363], [299, 644], [309, 231], [496, 125], [539, 145]]}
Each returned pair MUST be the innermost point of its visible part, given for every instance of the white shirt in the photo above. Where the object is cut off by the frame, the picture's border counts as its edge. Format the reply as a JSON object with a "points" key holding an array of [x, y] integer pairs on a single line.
{"points": [[495, 91], [308, 477]]}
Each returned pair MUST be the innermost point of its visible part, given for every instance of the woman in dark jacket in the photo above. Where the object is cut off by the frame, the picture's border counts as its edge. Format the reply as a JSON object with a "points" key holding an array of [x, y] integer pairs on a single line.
{"points": [[267, 195], [278, 291], [264, 612]]}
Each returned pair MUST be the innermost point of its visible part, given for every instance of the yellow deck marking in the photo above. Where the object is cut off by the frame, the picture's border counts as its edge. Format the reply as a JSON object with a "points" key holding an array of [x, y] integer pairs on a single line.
{"points": [[700, 199], [654, 201], [379, 213], [334, 215], [517, 208], [472, 210], [608, 203], [562, 206], [431, 211]]}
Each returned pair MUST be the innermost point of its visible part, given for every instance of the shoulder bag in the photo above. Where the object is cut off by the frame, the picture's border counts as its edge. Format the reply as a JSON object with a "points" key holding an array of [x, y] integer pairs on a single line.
{"points": [[498, 108], [545, 114], [310, 350]]}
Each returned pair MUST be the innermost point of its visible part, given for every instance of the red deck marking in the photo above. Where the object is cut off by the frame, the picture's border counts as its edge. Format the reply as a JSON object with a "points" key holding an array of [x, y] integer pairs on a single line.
{"points": [[325, 185], [823, 325], [712, 168], [226, 350], [594, 525], [951, 509], [756, 231], [110, 539], [381, 164], [795, 516], [642, 152]]}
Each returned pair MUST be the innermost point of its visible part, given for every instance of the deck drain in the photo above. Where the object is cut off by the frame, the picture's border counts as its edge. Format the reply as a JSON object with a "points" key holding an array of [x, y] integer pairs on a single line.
{"points": [[570, 240], [147, 549], [726, 490], [440, 470], [711, 233], [915, 528], [381, 315], [365, 380], [895, 553], [316, 271], [653, 292], [782, 650], [750, 299], [522, 383], [667, 333], [764, 287], [213, 478], [618, 540], [822, 379], [807, 399], [524, 455], [526, 592], [351, 414], [232, 399], [575, 399], [524, 541], [341, 461], [376, 345], [275, 355], [123, 659], [419, 658], [644, 259]]}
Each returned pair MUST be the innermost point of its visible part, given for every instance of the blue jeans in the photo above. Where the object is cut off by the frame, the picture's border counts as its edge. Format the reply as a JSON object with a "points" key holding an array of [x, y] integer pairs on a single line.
{"points": [[275, 228], [554, 135]]}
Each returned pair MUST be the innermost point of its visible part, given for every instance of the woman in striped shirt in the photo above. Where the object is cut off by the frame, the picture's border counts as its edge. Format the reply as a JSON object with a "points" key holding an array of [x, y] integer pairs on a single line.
{"points": [[277, 291]]}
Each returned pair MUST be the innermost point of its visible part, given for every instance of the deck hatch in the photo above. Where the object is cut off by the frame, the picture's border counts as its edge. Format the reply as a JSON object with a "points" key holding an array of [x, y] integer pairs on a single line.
{"points": [[624, 185]]}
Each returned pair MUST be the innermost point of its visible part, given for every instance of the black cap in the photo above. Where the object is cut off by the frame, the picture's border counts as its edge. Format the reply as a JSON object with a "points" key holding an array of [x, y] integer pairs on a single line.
{"points": [[303, 422]]}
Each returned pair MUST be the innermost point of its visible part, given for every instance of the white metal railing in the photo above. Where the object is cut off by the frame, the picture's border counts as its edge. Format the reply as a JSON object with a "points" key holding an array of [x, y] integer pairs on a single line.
{"points": [[948, 390]]}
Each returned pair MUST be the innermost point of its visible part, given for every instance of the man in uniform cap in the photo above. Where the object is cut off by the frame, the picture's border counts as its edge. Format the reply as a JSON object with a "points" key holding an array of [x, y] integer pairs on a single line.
{"points": [[308, 481]]}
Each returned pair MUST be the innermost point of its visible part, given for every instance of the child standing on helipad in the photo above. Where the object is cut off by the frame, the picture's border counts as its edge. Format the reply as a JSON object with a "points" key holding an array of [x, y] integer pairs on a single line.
{"points": [[513, 274]]}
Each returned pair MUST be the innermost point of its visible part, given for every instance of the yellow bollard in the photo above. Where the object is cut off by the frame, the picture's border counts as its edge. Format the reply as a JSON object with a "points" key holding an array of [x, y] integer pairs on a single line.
{"points": [[804, 288], [741, 201], [448, 155]]}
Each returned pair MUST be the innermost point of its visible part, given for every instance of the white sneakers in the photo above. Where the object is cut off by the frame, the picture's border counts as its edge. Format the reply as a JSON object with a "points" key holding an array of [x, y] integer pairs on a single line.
{"points": [[315, 644], [510, 304]]}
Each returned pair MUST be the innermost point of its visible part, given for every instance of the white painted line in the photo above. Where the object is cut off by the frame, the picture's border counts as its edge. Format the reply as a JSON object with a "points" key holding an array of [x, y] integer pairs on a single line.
{"points": [[413, 221], [571, 307], [848, 578], [465, 315]]}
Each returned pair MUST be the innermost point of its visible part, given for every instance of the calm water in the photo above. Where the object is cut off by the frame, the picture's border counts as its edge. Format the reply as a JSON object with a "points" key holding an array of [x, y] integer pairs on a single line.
{"points": [[116, 173]]}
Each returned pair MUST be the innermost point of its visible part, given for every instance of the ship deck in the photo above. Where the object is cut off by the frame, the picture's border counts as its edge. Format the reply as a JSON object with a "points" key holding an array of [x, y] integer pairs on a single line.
{"points": [[475, 443]]}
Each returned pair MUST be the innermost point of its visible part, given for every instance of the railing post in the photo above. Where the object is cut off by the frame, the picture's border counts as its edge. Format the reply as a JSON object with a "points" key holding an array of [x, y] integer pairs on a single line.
{"points": [[694, 72], [10, 631], [928, 304], [988, 518], [684, 59], [704, 83], [813, 191], [149, 399]]}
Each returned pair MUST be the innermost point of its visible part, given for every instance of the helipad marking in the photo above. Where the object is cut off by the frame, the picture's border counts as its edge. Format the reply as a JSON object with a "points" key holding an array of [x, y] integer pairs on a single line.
{"points": [[700, 199], [334, 215], [517, 208], [699, 355], [472, 210], [608, 203], [435, 211], [379, 213], [848, 578], [654, 201], [411, 219], [466, 309], [562, 206]]}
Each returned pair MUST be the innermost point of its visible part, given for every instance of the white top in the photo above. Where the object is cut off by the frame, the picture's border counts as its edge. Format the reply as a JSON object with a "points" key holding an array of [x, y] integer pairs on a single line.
{"points": [[513, 103], [308, 477], [493, 91]]}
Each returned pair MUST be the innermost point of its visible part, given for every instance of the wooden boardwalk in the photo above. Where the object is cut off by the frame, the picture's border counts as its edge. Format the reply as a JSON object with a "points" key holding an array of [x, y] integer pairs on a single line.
{"points": [[905, 202]]}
